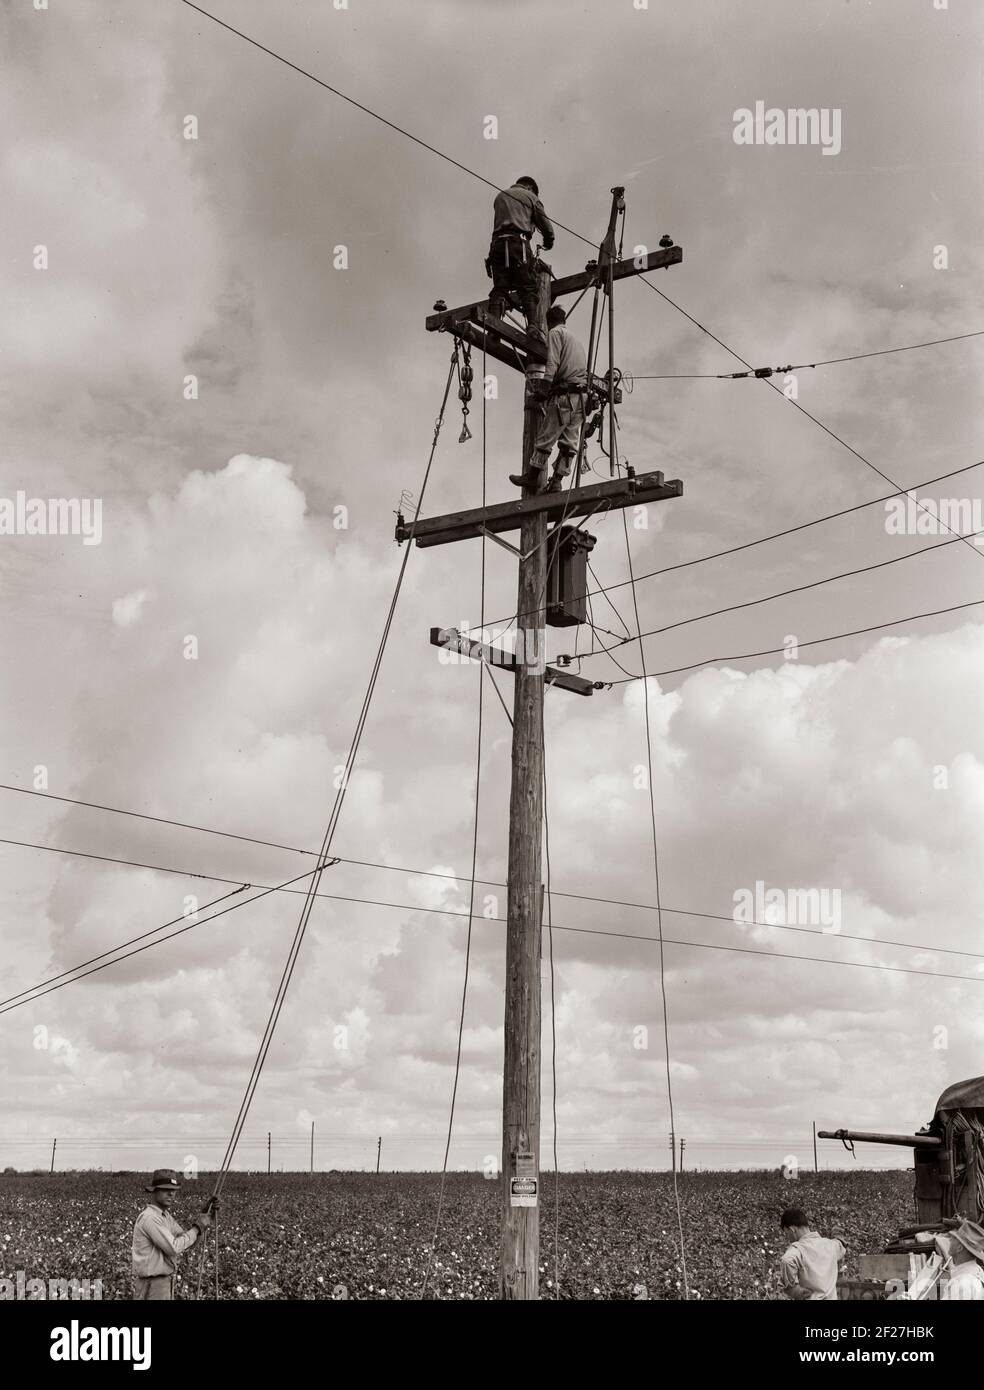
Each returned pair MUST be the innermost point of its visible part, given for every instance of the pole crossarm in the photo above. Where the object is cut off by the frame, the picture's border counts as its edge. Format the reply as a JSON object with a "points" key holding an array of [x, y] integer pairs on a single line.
{"points": [[620, 270], [659, 259], [508, 516], [453, 641]]}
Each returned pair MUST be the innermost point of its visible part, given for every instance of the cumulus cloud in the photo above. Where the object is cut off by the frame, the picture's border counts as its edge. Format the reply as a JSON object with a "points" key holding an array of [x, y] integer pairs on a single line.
{"points": [[207, 662]]}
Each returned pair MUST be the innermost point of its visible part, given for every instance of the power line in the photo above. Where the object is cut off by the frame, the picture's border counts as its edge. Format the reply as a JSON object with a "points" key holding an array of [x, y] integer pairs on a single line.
{"points": [[308, 905], [474, 864], [813, 642], [35, 992], [785, 593], [797, 366], [427, 873], [802, 409], [465, 169], [16, 1001], [659, 908], [762, 540]]}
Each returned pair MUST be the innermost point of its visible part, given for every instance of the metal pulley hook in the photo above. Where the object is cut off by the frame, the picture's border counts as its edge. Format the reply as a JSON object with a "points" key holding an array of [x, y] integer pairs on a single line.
{"points": [[466, 375]]}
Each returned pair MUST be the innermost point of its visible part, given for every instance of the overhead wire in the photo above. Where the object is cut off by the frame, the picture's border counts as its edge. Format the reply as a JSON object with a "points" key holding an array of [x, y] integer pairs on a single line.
{"points": [[773, 536], [785, 593], [553, 1029], [813, 642], [659, 903], [76, 973], [426, 873], [474, 862], [35, 992], [760, 372], [315, 880], [489, 183], [802, 409]]}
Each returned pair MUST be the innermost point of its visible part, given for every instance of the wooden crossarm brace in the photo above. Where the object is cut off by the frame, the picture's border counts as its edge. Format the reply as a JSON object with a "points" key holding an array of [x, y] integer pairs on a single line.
{"points": [[508, 516], [531, 347], [502, 352]]}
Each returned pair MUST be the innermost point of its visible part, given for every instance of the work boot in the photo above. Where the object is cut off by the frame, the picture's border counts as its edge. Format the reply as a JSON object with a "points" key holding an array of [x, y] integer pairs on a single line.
{"points": [[532, 479], [556, 483]]}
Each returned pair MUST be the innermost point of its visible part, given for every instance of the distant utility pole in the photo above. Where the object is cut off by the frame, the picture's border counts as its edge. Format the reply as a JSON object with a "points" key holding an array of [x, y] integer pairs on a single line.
{"points": [[54, 1145], [269, 1140], [379, 1150], [476, 327], [672, 1151], [683, 1145], [312, 1146], [816, 1161]]}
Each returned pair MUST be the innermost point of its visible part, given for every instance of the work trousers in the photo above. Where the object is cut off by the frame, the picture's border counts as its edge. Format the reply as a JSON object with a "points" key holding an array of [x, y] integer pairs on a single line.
{"points": [[512, 267], [561, 423], [154, 1287]]}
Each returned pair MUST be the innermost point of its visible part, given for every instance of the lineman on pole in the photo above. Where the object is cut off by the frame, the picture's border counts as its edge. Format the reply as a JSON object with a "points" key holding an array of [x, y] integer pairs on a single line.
{"points": [[564, 383], [517, 212]]}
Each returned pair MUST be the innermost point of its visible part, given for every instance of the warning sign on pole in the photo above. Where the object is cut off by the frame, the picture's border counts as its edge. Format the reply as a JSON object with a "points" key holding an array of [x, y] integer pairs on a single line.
{"points": [[523, 1182]]}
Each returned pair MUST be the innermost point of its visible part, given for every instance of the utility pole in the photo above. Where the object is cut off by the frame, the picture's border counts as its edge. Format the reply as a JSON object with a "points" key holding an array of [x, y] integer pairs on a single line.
{"points": [[520, 1251], [312, 1146], [683, 1145], [268, 1152], [477, 328], [54, 1145], [672, 1151], [379, 1150], [816, 1161]]}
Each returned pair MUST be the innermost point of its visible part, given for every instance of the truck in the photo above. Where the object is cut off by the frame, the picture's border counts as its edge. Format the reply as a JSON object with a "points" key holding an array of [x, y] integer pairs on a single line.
{"points": [[948, 1190]]}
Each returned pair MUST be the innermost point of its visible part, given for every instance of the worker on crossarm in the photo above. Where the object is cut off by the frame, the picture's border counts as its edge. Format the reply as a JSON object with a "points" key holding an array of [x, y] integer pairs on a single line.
{"points": [[561, 391], [158, 1240], [808, 1269], [517, 213]]}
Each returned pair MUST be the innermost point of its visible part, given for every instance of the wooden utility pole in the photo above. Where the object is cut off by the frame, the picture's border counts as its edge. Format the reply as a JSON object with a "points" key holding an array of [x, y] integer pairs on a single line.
{"points": [[379, 1151], [520, 1255], [816, 1161], [532, 516], [683, 1145], [269, 1137], [312, 1146], [54, 1145]]}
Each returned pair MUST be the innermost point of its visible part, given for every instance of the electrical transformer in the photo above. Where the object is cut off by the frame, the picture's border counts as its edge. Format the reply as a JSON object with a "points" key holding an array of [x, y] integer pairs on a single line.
{"points": [[567, 576]]}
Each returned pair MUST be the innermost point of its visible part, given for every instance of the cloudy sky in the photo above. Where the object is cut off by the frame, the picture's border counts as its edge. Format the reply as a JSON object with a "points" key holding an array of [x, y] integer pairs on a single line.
{"points": [[257, 519]]}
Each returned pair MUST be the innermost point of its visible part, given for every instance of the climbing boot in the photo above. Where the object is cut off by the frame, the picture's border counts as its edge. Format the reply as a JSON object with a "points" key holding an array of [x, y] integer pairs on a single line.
{"points": [[532, 479], [556, 483]]}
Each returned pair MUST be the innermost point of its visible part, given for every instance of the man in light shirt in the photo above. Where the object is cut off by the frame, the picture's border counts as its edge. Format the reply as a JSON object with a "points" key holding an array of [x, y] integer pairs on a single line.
{"points": [[564, 383], [808, 1269], [158, 1240]]}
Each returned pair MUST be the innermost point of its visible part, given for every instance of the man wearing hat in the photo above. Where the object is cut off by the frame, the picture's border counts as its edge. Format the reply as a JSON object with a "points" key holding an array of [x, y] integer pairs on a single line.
{"points": [[158, 1240]]}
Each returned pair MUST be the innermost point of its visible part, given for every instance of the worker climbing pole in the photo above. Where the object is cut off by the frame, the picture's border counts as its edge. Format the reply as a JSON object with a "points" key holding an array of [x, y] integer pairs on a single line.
{"points": [[547, 561]]}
